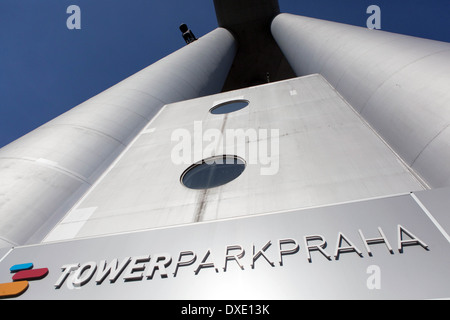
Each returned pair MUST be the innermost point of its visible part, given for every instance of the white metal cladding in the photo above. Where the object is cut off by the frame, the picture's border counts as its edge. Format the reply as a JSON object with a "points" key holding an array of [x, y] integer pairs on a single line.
{"points": [[399, 84], [45, 172], [276, 257], [326, 154]]}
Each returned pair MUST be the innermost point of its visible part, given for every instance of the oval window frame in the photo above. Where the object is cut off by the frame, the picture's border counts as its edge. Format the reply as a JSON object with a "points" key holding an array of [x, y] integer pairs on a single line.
{"points": [[212, 159], [222, 104]]}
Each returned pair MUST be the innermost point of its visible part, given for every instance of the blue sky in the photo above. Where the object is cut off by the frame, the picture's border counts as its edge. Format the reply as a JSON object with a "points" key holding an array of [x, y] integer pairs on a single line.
{"points": [[47, 69]]}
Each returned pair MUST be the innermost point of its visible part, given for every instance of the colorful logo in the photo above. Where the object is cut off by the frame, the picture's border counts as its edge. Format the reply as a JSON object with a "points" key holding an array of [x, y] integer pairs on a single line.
{"points": [[22, 274]]}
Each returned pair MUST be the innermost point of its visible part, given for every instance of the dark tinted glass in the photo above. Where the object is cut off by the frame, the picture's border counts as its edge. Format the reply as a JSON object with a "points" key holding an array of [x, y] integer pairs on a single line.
{"points": [[230, 106], [213, 172]]}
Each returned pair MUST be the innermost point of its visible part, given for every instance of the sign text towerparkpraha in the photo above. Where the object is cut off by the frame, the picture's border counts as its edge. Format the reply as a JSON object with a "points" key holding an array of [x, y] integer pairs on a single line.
{"points": [[137, 268]]}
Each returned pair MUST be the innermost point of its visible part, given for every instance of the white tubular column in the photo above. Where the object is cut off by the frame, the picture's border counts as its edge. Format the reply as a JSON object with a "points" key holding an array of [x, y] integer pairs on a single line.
{"points": [[45, 172], [399, 84]]}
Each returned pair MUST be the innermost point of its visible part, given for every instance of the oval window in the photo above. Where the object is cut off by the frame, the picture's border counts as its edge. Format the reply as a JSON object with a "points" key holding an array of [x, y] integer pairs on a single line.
{"points": [[213, 172], [230, 106]]}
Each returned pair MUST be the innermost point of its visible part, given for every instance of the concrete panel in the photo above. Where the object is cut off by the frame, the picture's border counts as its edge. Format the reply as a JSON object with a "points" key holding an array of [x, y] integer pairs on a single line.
{"points": [[320, 152], [78, 146], [399, 84], [23, 183]]}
